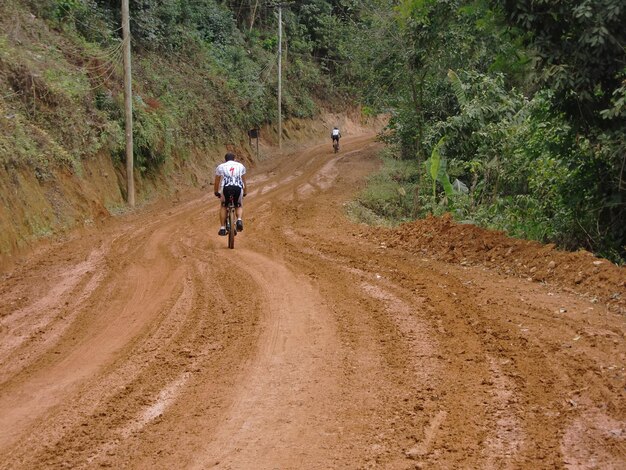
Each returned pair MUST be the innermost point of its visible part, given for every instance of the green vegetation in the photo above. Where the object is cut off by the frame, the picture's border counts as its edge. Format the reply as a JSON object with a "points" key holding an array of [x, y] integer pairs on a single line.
{"points": [[506, 113], [528, 97], [389, 193], [202, 76]]}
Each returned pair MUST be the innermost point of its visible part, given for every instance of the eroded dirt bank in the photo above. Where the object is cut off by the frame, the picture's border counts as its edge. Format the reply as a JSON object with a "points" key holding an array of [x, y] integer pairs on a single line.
{"points": [[43, 204], [316, 343]]}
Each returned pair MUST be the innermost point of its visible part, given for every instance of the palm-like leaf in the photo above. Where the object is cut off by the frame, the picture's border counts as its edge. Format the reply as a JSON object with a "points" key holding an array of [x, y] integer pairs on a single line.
{"points": [[457, 87]]}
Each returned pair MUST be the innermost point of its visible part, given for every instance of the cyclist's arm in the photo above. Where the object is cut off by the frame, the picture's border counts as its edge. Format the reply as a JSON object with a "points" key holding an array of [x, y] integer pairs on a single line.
{"points": [[216, 183], [245, 184]]}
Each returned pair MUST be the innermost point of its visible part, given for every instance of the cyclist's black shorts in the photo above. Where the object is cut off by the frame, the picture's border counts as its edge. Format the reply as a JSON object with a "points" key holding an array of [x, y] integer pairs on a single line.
{"points": [[335, 137], [236, 192]]}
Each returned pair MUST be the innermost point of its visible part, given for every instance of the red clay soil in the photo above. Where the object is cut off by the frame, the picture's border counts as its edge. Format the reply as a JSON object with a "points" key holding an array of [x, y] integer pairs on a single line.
{"points": [[316, 343], [470, 245]]}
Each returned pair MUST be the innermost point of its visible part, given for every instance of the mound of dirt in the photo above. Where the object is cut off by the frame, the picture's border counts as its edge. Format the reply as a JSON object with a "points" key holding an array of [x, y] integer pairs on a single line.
{"points": [[467, 244]]}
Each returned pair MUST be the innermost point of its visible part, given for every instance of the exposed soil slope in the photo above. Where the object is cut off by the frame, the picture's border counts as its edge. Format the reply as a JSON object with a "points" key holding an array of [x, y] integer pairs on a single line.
{"points": [[316, 343]]}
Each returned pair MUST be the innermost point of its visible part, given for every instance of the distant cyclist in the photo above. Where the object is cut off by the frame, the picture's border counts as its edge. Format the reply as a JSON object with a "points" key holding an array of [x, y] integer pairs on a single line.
{"points": [[230, 180], [335, 135]]}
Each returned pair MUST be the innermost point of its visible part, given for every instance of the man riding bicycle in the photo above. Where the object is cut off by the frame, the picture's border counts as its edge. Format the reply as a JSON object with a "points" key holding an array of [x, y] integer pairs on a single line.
{"points": [[230, 180], [335, 135]]}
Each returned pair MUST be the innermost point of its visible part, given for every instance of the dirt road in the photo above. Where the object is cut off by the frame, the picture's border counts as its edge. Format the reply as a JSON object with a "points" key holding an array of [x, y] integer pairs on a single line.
{"points": [[313, 344]]}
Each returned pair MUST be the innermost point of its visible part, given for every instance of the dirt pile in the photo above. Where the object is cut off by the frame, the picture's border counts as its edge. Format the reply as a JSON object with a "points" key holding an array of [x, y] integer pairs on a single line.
{"points": [[443, 238]]}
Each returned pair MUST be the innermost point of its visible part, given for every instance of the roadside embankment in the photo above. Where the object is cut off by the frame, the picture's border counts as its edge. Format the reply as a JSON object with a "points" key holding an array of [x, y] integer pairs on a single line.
{"points": [[36, 207]]}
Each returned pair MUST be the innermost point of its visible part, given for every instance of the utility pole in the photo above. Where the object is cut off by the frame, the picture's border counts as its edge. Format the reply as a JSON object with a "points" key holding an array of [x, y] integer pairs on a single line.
{"points": [[280, 54], [253, 16], [128, 106]]}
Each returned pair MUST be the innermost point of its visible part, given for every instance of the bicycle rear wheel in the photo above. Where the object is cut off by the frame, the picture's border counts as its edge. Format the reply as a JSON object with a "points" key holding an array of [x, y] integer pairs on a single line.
{"points": [[232, 230]]}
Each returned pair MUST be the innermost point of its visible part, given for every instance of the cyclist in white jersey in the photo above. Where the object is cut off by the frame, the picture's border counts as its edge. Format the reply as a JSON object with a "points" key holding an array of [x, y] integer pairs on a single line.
{"points": [[230, 178]]}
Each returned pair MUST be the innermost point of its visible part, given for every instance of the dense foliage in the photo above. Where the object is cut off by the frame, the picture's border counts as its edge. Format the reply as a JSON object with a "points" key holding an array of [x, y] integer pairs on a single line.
{"points": [[528, 97], [512, 111], [204, 71]]}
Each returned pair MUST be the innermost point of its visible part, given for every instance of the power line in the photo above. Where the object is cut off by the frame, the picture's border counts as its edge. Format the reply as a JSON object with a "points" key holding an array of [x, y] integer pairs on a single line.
{"points": [[104, 79], [14, 93], [82, 23]]}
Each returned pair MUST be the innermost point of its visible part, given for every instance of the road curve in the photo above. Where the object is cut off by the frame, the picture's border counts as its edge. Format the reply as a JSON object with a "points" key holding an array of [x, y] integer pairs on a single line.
{"points": [[150, 344]]}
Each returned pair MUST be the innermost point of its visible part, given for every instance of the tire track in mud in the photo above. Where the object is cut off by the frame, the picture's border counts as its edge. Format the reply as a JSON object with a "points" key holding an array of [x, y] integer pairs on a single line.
{"points": [[533, 347], [269, 420], [420, 423], [427, 413], [147, 374], [145, 247], [503, 396], [528, 412], [52, 315], [90, 341], [308, 346], [66, 294]]}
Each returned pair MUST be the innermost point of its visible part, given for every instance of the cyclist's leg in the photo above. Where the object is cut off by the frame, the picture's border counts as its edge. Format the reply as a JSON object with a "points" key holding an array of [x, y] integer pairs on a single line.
{"points": [[239, 209], [239, 213], [240, 204], [222, 215], [223, 209]]}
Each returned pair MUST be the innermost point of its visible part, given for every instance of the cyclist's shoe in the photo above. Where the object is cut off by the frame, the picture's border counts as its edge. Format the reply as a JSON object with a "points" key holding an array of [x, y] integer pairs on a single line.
{"points": [[240, 225], [222, 232]]}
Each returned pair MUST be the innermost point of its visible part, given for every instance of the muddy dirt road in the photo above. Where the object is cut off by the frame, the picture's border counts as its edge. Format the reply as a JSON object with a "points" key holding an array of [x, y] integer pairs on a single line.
{"points": [[313, 344]]}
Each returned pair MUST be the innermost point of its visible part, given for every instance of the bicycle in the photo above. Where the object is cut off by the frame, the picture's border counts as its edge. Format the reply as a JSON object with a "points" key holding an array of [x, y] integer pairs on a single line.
{"points": [[336, 145], [231, 221]]}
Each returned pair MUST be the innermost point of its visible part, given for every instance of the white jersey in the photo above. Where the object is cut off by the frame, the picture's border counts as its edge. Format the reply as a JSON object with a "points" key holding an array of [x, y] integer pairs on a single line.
{"points": [[231, 173], [335, 133]]}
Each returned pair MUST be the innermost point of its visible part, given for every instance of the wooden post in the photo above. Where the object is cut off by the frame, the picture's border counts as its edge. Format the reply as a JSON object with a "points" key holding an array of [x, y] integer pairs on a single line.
{"points": [[280, 53], [252, 17], [128, 106]]}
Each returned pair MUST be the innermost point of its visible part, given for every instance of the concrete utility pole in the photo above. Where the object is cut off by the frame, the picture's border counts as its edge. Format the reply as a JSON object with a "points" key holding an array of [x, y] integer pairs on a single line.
{"points": [[128, 106], [280, 55]]}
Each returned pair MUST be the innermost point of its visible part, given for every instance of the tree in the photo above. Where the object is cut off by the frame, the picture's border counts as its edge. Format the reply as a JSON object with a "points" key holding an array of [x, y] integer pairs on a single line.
{"points": [[580, 46]]}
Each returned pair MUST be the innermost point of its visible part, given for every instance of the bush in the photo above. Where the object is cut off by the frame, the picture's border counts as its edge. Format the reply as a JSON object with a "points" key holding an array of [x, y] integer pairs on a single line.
{"points": [[390, 193]]}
